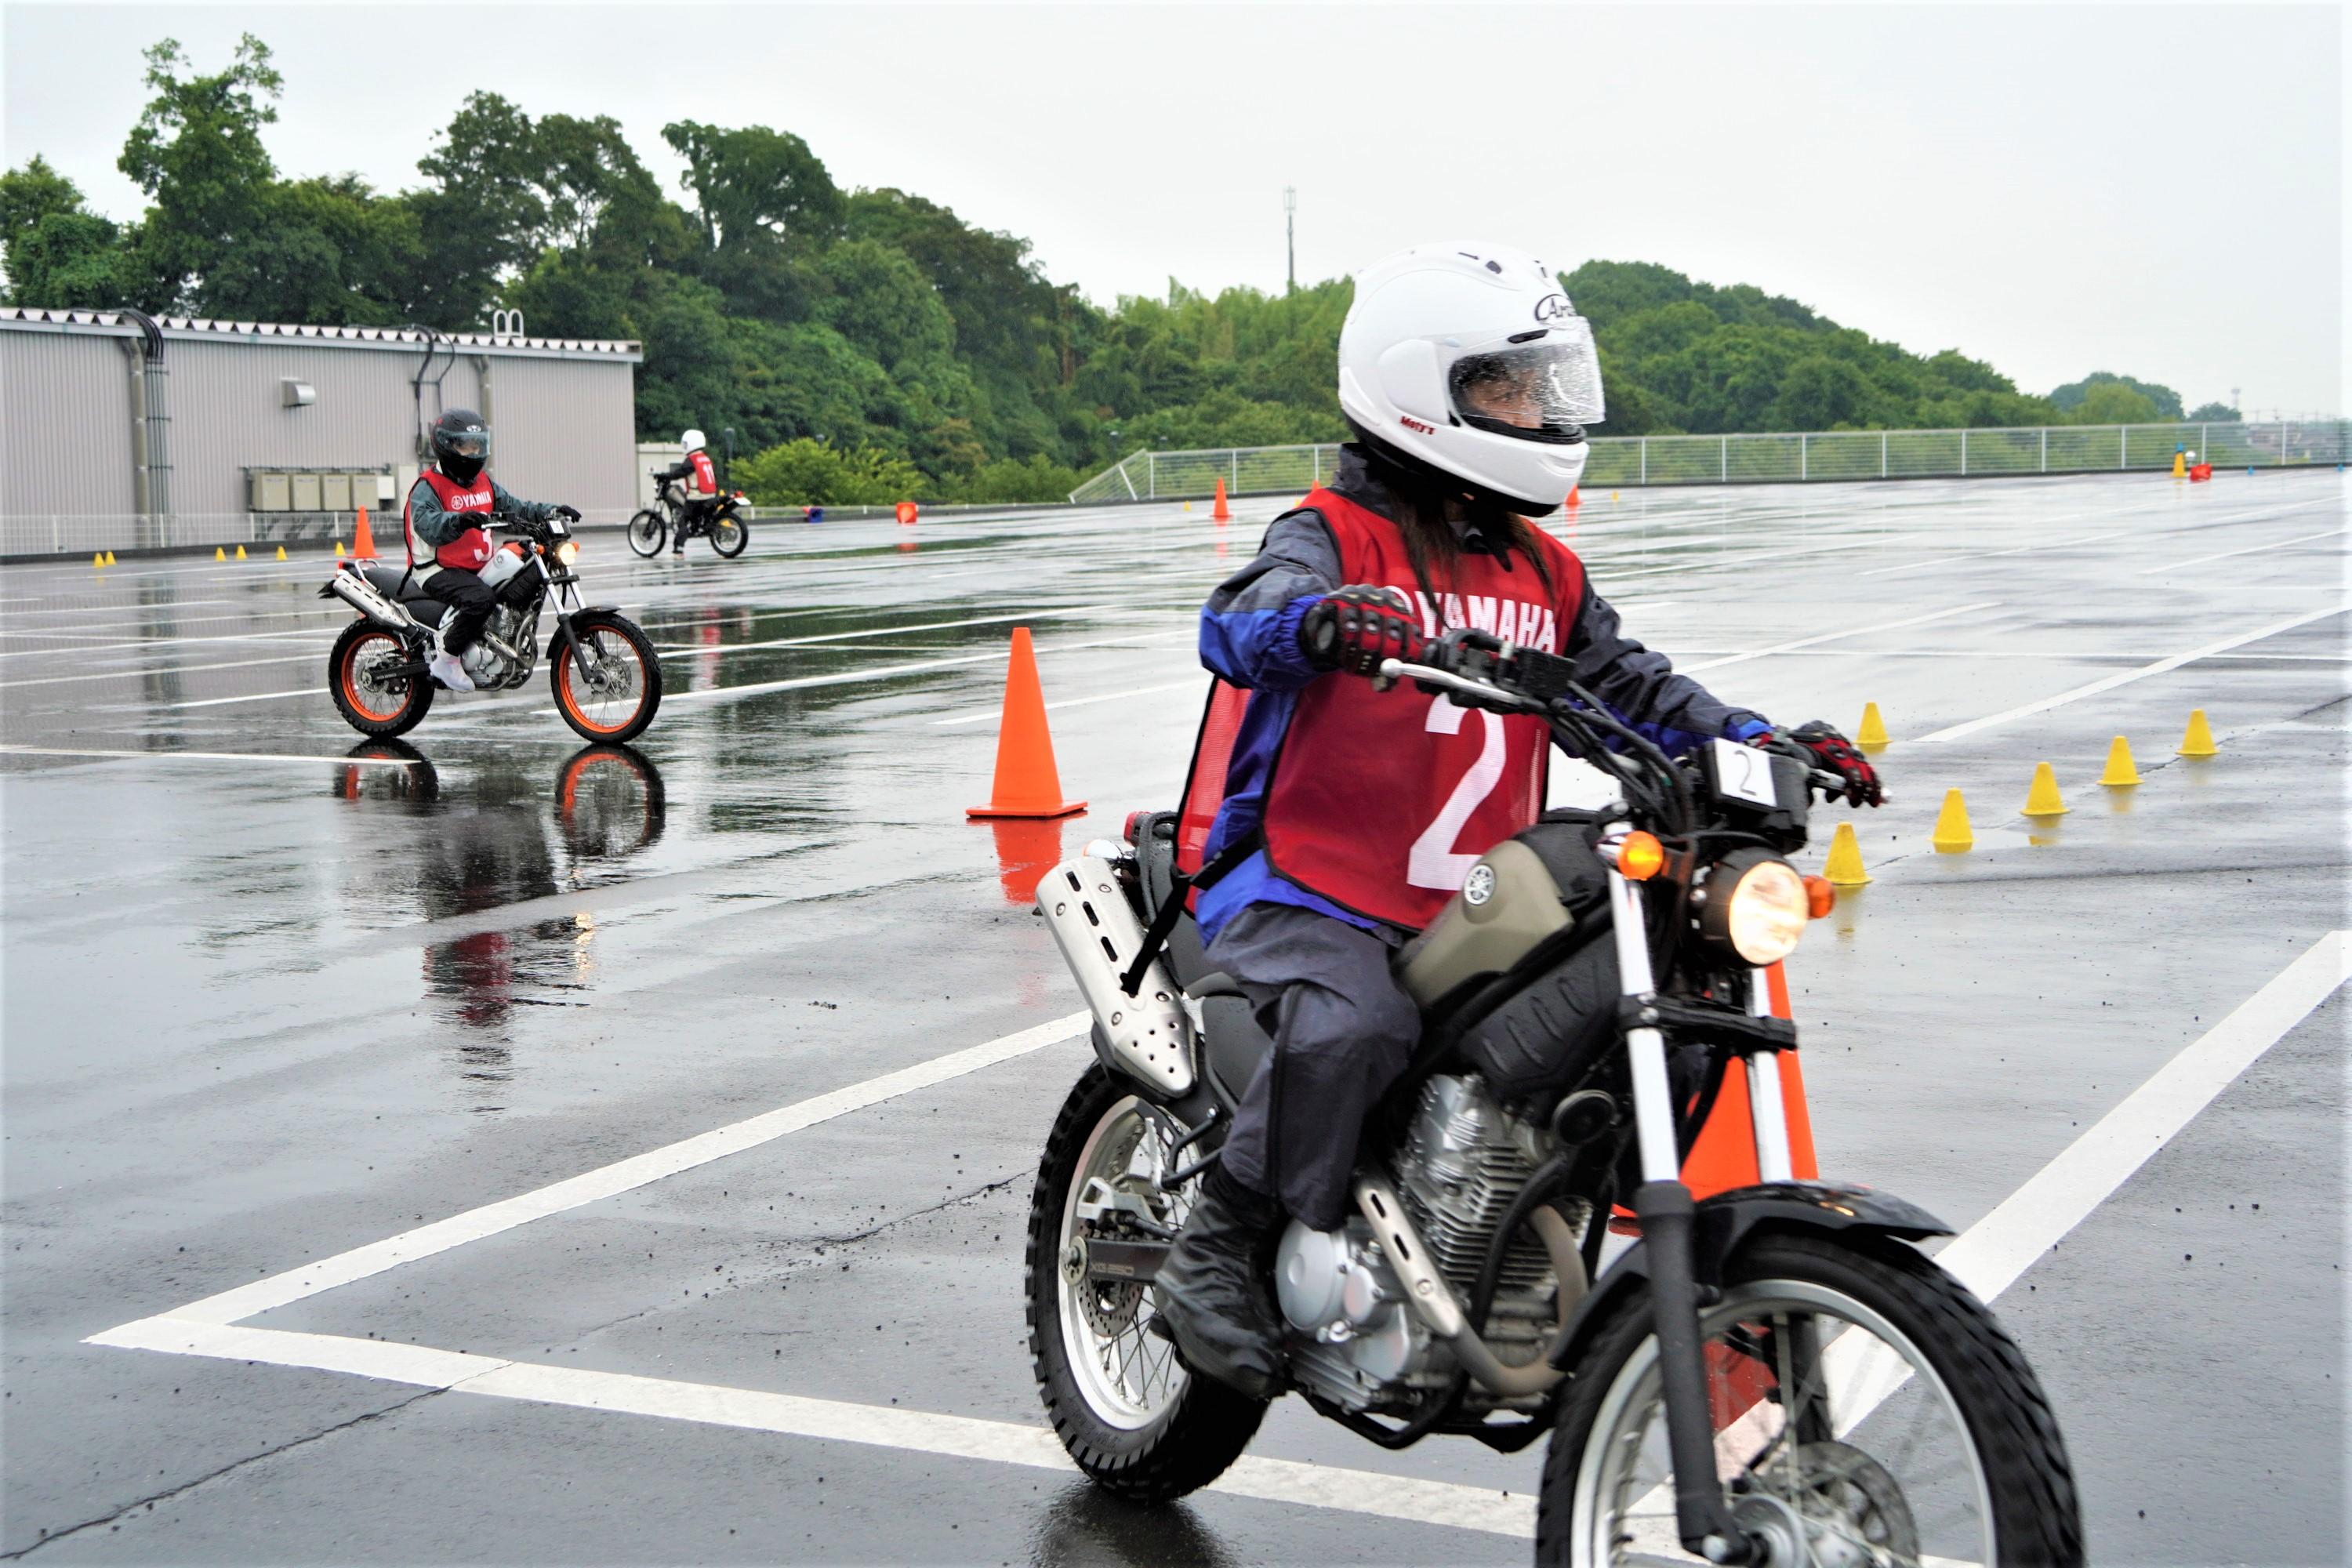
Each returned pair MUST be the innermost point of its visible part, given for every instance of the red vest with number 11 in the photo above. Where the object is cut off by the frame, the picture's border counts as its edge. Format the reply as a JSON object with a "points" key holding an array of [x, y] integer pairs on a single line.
{"points": [[1381, 801]]}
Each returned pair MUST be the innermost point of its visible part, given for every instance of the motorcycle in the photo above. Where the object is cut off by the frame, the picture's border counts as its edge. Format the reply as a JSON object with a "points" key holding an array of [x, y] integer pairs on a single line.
{"points": [[722, 522], [1773, 1374], [605, 674]]}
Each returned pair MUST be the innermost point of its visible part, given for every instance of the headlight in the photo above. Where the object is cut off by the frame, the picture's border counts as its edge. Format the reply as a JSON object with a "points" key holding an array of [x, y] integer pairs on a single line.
{"points": [[1757, 905], [567, 552]]}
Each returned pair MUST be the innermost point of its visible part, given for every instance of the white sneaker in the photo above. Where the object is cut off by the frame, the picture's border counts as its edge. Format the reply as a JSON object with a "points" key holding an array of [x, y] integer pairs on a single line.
{"points": [[449, 671]]}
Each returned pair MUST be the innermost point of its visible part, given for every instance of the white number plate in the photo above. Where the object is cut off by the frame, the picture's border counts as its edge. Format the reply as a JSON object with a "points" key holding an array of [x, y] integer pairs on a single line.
{"points": [[1745, 774]]}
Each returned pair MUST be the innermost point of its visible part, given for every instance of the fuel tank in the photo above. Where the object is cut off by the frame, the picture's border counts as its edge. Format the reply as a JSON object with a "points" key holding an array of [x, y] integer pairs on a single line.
{"points": [[1524, 889]]}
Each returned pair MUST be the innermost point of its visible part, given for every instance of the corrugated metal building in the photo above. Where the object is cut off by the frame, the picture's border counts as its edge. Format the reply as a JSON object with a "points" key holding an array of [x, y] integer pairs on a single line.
{"points": [[117, 432]]}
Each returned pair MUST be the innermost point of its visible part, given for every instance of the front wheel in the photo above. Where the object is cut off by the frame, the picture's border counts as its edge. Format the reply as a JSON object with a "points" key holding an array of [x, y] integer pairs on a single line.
{"points": [[371, 701], [729, 534], [1868, 1409], [607, 679], [1134, 1419], [648, 531]]}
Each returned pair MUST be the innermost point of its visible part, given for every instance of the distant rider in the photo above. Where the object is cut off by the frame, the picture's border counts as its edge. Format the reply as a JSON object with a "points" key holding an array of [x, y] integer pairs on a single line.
{"points": [[697, 483], [1467, 378], [447, 547]]}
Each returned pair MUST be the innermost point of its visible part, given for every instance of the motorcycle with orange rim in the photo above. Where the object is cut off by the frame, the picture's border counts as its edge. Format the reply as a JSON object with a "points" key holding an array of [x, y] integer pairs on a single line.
{"points": [[605, 675]]}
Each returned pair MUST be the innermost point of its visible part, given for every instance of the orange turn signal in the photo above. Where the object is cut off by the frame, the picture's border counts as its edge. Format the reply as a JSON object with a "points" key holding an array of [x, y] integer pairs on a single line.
{"points": [[1639, 856], [1820, 898]]}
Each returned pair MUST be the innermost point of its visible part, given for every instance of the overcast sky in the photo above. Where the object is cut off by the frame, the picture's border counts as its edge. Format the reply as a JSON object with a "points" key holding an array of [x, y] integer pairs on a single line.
{"points": [[2156, 191]]}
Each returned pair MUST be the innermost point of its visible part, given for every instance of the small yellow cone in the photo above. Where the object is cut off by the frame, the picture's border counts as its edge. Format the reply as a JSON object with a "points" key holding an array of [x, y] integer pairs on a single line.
{"points": [[282, 552], [110, 558], [2120, 771], [2199, 741], [1844, 867], [219, 553], [1612, 495], [240, 553], [2179, 466], [2041, 795], [1874, 728], [339, 547], [1952, 834], [98, 558]]}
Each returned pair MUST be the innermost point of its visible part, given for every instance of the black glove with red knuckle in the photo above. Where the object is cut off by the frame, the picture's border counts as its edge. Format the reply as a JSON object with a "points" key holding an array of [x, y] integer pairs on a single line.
{"points": [[1821, 746], [1359, 625]]}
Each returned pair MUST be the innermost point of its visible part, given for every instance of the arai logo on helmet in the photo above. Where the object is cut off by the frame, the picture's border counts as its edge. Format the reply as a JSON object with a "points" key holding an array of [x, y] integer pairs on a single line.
{"points": [[1553, 308], [1479, 886]]}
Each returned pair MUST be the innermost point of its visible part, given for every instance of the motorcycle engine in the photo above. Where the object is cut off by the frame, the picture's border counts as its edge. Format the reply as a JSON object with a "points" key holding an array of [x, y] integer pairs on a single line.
{"points": [[1358, 1342]]}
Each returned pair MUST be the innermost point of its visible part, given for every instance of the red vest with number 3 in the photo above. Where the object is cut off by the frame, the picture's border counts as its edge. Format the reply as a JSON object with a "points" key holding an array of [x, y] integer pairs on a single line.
{"points": [[1381, 801], [471, 549]]}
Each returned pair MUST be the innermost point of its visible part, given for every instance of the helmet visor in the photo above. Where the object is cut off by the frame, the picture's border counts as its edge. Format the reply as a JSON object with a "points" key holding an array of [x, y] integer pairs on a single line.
{"points": [[473, 446], [1543, 386]]}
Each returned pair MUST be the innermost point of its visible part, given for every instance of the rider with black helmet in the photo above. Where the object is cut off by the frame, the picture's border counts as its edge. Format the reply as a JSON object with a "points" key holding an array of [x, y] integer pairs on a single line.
{"points": [[447, 545]]}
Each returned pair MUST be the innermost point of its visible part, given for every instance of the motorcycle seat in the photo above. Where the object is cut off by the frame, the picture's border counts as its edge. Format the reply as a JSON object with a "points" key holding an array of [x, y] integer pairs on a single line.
{"points": [[396, 584]]}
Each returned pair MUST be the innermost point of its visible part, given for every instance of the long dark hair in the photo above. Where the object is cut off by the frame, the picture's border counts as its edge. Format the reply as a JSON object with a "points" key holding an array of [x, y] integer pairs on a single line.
{"points": [[1423, 505]]}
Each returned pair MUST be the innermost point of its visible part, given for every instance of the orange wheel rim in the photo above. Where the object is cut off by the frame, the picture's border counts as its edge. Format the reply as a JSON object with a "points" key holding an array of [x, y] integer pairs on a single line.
{"points": [[362, 698], [564, 675]]}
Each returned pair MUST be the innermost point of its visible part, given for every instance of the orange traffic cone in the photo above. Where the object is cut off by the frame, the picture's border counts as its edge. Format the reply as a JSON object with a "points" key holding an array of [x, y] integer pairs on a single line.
{"points": [[1027, 783], [362, 541], [1724, 1154], [1221, 512], [1575, 497], [907, 512]]}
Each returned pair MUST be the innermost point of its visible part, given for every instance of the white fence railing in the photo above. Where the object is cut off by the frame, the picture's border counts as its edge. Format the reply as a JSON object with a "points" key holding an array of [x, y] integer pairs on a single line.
{"points": [[1628, 461]]}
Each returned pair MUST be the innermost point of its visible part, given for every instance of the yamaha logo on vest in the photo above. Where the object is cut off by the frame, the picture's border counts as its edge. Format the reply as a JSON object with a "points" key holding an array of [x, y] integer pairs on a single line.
{"points": [[469, 501]]}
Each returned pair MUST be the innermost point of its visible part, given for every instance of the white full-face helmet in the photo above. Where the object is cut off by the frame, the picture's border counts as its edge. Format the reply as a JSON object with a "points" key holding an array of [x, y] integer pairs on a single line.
{"points": [[692, 441], [1468, 359]]}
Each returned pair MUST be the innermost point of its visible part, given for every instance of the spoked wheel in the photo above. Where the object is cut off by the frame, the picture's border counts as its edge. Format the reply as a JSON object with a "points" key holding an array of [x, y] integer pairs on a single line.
{"points": [[729, 534], [371, 701], [1869, 1413], [1135, 1420], [607, 680], [648, 531]]}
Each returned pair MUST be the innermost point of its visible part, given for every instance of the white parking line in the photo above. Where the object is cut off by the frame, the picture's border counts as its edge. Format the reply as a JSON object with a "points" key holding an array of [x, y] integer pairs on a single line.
{"points": [[2250, 550], [1954, 731], [881, 631], [1833, 637], [979, 715], [217, 757], [1990, 554]]}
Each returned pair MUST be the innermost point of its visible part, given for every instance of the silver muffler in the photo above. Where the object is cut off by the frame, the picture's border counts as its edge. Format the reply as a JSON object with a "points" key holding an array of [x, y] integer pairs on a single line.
{"points": [[1149, 1035], [368, 599]]}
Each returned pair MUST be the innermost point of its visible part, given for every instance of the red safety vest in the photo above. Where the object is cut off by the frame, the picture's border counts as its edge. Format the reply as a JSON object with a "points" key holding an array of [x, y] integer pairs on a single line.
{"points": [[706, 477], [1381, 801], [471, 549]]}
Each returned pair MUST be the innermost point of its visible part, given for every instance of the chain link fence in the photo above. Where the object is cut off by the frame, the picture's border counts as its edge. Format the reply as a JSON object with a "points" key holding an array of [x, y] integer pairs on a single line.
{"points": [[1631, 461]]}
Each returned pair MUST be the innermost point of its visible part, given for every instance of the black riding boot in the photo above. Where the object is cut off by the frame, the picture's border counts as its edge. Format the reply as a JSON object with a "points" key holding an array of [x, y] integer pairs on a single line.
{"points": [[1210, 1288]]}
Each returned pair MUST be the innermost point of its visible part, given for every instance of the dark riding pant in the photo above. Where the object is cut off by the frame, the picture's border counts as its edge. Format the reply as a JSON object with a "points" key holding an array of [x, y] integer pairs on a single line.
{"points": [[1343, 1030], [469, 602]]}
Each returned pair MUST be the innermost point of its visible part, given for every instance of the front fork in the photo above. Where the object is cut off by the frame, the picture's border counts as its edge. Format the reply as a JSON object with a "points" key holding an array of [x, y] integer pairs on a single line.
{"points": [[1662, 1204]]}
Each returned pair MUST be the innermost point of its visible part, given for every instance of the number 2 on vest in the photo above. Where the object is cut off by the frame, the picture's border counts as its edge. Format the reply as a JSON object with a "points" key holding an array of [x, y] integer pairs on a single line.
{"points": [[1433, 861]]}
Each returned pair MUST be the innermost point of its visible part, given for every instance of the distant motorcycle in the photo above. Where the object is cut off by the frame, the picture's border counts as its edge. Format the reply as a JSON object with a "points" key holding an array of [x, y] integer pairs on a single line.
{"points": [[606, 676], [722, 522]]}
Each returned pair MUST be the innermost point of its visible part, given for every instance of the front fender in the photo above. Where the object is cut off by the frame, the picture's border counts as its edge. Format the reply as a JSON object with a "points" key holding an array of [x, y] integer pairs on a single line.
{"points": [[1725, 1221]]}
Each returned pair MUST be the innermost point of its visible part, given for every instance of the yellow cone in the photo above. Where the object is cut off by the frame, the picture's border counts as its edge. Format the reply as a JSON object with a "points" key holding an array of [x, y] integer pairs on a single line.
{"points": [[1612, 495], [2198, 741], [1874, 728], [282, 552], [2120, 771], [339, 547], [240, 553], [98, 558], [2041, 796], [2179, 466], [1952, 833], [219, 553], [110, 558], [1844, 867]]}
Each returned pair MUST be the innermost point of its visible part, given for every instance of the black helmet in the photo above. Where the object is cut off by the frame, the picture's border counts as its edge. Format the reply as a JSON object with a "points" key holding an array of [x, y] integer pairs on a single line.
{"points": [[461, 444]]}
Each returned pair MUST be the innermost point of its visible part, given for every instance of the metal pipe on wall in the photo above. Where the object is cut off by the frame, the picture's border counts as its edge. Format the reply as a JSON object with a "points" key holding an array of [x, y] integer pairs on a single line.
{"points": [[151, 427]]}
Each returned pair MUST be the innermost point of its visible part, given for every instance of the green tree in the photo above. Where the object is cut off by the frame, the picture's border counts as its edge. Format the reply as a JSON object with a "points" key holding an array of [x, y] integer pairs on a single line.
{"points": [[2069, 398], [196, 151], [804, 472], [2113, 402], [58, 252], [2213, 414]]}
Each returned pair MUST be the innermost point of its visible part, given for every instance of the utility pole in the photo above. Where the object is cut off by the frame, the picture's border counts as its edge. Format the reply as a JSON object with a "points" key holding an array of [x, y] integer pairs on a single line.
{"points": [[1290, 231]]}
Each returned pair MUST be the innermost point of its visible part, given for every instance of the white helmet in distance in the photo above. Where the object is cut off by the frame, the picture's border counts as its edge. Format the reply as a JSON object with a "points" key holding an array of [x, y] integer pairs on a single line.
{"points": [[1468, 359], [692, 441]]}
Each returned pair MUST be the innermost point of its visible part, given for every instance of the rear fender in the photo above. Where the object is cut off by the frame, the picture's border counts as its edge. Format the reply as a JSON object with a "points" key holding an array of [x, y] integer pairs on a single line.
{"points": [[1723, 1224]]}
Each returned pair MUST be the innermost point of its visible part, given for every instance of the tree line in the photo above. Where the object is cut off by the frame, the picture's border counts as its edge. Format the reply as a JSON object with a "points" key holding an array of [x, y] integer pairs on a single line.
{"points": [[868, 344]]}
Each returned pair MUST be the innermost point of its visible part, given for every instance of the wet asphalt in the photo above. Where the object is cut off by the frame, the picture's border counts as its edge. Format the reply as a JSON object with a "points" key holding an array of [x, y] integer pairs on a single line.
{"points": [[272, 993]]}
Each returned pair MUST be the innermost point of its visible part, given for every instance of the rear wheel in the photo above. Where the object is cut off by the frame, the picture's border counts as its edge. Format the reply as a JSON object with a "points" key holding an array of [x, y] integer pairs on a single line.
{"points": [[1135, 1420], [607, 679], [1868, 1411], [371, 701], [729, 534], [647, 533]]}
